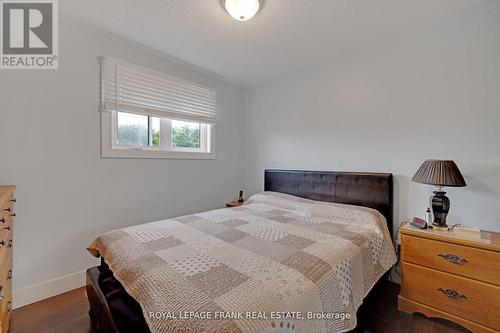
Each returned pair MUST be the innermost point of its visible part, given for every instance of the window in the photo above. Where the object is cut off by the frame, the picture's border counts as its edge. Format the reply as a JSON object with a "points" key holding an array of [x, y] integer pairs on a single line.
{"points": [[136, 132], [147, 114]]}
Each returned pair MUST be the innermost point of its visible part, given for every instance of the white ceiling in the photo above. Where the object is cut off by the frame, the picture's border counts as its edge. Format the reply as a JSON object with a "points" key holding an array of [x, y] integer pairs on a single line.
{"points": [[284, 36]]}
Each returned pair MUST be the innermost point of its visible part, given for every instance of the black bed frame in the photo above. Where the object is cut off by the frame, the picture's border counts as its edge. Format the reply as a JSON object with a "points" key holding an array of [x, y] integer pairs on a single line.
{"points": [[113, 310]]}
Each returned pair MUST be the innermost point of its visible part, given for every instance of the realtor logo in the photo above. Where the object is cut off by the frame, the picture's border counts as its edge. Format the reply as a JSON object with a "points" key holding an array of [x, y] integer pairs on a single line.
{"points": [[29, 38]]}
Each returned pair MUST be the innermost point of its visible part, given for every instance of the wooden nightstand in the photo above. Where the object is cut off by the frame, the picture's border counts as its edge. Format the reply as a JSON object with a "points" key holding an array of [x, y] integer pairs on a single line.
{"points": [[234, 203], [453, 275]]}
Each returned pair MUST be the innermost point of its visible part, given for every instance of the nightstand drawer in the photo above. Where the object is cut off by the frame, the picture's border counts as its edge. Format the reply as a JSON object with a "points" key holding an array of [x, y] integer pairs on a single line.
{"points": [[6, 309], [466, 261], [6, 244], [6, 268], [6, 206], [6, 211], [6, 230], [456, 295]]}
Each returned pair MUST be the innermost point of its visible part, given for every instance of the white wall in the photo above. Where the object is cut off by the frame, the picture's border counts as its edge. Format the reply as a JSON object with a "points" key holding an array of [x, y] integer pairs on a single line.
{"points": [[67, 194], [428, 93]]}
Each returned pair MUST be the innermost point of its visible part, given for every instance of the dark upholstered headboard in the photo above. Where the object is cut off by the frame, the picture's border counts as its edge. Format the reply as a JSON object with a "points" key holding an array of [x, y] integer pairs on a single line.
{"points": [[372, 190]]}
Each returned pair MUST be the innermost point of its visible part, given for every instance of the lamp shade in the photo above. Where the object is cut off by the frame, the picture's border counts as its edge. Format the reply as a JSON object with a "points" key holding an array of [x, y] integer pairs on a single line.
{"points": [[439, 173]]}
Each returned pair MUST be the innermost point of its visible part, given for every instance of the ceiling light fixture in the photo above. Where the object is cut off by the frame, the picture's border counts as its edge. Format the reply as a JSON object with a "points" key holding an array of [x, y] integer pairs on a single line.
{"points": [[242, 10]]}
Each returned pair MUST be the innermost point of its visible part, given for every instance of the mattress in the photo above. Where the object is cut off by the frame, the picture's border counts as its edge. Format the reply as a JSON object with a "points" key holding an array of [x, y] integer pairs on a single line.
{"points": [[278, 263]]}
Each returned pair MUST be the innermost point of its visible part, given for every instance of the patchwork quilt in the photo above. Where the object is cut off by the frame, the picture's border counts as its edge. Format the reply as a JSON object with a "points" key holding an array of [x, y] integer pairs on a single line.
{"points": [[278, 263]]}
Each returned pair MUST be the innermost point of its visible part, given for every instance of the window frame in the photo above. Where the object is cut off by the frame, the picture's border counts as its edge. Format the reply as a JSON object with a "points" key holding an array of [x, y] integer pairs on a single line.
{"points": [[111, 149]]}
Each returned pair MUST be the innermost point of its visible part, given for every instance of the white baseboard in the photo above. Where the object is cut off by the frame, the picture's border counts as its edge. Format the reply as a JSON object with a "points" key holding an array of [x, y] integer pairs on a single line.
{"points": [[46, 289]]}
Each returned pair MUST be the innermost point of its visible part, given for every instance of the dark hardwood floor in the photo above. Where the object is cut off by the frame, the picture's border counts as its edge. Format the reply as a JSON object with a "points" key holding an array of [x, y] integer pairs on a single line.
{"points": [[69, 313]]}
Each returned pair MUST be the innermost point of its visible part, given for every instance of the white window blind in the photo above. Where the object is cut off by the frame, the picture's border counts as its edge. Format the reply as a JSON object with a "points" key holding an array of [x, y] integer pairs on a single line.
{"points": [[136, 89]]}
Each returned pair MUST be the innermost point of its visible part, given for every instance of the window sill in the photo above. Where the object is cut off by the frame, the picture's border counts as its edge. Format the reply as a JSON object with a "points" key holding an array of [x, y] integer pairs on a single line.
{"points": [[133, 153]]}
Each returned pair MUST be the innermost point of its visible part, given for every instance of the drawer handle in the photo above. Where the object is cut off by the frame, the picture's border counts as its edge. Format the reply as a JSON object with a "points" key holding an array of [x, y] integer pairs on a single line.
{"points": [[9, 306], [2, 242], [7, 209], [7, 228], [2, 220], [13, 200], [453, 258], [13, 214], [9, 274], [9, 244], [453, 294]]}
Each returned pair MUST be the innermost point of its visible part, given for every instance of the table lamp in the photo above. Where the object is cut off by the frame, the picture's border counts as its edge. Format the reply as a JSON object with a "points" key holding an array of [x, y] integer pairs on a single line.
{"points": [[439, 173]]}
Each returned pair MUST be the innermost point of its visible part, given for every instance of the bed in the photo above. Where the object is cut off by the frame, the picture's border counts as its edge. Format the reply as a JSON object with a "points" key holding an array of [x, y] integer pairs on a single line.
{"points": [[299, 257]]}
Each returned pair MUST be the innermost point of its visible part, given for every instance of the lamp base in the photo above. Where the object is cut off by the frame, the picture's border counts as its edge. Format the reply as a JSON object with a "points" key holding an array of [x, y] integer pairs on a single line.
{"points": [[440, 209], [439, 228]]}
